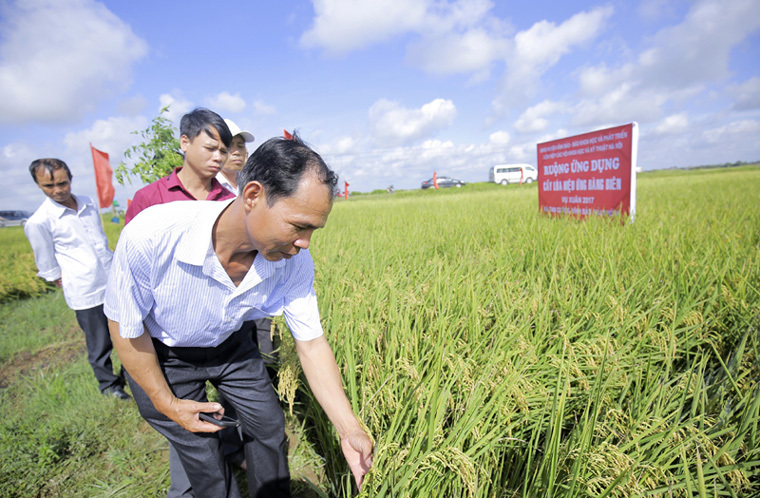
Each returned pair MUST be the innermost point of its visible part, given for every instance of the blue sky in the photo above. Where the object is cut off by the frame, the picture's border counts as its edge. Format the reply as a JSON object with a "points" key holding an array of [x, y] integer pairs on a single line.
{"points": [[387, 91]]}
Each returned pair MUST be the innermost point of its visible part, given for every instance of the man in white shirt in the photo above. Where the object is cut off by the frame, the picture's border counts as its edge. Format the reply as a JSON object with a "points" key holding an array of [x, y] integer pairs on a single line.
{"points": [[71, 249], [189, 279], [237, 155]]}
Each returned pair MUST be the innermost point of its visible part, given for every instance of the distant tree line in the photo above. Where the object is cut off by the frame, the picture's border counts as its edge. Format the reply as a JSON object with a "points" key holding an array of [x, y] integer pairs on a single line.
{"points": [[722, 165]]}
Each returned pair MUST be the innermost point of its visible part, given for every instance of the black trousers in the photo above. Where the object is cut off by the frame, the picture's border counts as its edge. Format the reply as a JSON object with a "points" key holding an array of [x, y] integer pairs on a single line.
{"points": [[236, 369], [95, 326], [232, 442]]}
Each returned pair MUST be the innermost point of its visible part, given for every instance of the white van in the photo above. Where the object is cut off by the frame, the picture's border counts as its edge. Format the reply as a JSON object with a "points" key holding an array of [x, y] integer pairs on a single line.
{"points": [[511, 173]]}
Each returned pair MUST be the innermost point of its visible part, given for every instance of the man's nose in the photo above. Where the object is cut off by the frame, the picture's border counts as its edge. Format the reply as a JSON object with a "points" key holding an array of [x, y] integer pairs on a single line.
{"points": [[304, 240]]}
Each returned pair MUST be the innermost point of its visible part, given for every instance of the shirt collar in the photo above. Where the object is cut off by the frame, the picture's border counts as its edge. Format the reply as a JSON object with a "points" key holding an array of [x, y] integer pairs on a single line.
{"points": [[196, 246], [172, 181], [196, 243], [59, 209], [224, 182], [218, 191]]}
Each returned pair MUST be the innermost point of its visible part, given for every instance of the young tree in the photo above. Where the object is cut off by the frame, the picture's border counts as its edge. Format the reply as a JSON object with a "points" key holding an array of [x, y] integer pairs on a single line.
{"points": [[156, 156]]}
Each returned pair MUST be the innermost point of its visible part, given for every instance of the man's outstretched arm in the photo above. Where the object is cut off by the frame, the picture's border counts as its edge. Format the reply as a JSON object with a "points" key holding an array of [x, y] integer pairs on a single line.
{"points": [[321, 370]]}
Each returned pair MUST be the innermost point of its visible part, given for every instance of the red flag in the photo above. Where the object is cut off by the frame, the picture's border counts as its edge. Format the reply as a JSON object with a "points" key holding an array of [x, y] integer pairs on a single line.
{"points": [[287, 135], [345, 190], [103, 175]]}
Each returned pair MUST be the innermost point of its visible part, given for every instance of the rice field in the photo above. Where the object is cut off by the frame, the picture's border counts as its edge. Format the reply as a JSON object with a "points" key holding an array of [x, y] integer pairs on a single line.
{"points": [[496, 352], [17, 269], [492, 351]]}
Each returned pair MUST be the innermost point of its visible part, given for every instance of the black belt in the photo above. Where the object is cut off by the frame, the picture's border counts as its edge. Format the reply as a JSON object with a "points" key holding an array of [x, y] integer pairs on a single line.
{"points": [[193, 354]]}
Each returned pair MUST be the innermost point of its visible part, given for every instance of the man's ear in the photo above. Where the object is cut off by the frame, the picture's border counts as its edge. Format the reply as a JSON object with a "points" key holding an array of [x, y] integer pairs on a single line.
{"points": [[253, 194], [184, 142]]}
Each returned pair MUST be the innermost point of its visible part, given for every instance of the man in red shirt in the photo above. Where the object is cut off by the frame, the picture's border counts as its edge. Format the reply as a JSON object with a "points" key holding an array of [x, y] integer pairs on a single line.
{"points": [[204, 142]]}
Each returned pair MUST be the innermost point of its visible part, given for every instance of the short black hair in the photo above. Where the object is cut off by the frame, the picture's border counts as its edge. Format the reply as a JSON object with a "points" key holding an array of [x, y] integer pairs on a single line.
{"points": [[279, 164], [50, 164], [200, 119]]}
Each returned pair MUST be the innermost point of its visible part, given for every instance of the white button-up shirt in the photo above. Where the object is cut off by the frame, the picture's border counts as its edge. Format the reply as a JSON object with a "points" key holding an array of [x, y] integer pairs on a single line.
{"points": [[226, 183], [167, 277], [72, 246]]}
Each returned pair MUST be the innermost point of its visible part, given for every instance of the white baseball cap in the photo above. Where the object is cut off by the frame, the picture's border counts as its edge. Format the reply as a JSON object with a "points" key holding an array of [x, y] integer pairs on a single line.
{"points": [[235, 130]]}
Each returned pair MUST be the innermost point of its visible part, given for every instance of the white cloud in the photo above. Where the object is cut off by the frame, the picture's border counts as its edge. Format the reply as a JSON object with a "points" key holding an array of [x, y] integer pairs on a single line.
{"points": [[226, 103], [435, 148], [746, 128], [113, 136], [262, 108], [676, 123], [622, 104], [595, 80], [59, 58], [393, 124], [677, 63], [534, 118], [178, 105], [698, 49], [539, 48], [451, 37], [653, 10], [342, 26], [545, 43], [747, 95], [525, 152], [468, 52], [133, 105], [406, 166], [344, 144], [673, 70], [499, 138]]}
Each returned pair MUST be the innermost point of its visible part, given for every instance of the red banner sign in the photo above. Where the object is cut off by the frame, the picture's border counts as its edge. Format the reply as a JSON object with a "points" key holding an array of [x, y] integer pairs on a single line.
{"points": [[589, 174]]}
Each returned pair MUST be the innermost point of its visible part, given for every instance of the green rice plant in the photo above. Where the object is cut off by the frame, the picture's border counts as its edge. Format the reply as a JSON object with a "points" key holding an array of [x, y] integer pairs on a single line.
{"points": [[493, 351], [17, 268]]}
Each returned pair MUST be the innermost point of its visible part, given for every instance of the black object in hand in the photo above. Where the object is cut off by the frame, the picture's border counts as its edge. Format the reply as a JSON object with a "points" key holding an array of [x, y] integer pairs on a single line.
{"points": [[224, 422]]}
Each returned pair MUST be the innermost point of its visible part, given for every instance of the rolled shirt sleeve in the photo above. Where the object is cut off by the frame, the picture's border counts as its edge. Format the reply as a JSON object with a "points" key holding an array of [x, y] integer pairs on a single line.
{"points": [[300, 308], [129, 297], [42, 244]]}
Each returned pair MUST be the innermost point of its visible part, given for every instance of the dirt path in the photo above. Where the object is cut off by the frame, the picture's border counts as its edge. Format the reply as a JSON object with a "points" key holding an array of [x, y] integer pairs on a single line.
{"points": [[23, 363]]}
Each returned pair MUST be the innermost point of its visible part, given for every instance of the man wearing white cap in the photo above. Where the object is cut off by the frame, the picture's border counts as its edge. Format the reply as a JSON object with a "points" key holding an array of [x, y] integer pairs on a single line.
{"points": [[236, 157]]}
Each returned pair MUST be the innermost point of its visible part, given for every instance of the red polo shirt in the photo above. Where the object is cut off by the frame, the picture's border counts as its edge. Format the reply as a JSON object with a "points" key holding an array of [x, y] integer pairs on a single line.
{"points": [[169, 189]]}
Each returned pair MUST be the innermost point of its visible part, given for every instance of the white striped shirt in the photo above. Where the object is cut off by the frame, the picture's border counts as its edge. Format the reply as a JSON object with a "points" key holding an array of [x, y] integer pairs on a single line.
{"points": [[167, 277], [71, 245]]}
